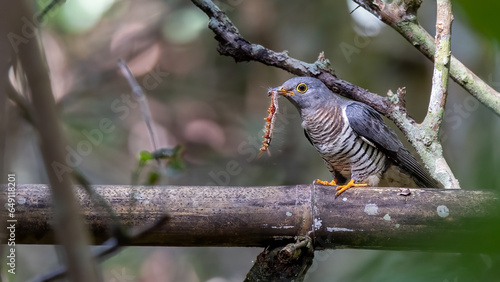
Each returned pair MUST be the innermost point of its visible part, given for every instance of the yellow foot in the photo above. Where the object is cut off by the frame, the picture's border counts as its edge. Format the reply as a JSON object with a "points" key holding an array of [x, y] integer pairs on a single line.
{"points": [[340, 188], [322, 182]]}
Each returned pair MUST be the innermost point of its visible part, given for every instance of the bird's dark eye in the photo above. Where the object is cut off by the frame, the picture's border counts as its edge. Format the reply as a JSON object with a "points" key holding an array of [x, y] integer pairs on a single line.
{"points": [[302, 87]]}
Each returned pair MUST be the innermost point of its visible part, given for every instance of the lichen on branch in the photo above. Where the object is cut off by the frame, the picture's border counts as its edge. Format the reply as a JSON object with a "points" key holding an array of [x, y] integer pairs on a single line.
{"points": [[401, 15]]}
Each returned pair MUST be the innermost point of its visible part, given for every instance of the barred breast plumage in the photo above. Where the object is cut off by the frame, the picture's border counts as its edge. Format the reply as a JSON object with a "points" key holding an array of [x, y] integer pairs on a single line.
{"points": [[352, 138], [343, 151]]}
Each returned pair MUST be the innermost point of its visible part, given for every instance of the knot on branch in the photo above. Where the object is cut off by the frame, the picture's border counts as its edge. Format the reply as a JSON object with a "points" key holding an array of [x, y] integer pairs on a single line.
{"points": [[228, 36], [237, 48], [408, 7], [324, 64], [397, 99]]}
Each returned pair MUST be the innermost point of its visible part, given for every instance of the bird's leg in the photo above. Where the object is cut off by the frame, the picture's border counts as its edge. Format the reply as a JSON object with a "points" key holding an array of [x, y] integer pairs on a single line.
{"points": [[340, 188]]}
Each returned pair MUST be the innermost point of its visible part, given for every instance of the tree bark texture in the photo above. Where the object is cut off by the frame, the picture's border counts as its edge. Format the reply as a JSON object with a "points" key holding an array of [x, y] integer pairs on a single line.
{"points": [[364, 217]]}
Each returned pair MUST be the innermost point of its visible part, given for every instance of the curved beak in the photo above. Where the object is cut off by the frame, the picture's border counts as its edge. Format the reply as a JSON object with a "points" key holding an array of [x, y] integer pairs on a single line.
{"points": [[280, 91]]}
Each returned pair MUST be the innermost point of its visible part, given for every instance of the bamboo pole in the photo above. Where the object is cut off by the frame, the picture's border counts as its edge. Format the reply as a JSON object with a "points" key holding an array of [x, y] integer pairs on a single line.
{"points": [[369, 218]]}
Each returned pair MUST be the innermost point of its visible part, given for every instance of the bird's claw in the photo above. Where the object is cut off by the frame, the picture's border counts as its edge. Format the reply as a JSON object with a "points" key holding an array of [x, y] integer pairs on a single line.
{"points": [[340, 188], [322, 182]]}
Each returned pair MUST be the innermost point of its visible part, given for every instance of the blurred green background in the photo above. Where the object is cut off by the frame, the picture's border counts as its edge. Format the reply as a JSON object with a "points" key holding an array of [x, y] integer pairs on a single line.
{"points": [[214, 108]]}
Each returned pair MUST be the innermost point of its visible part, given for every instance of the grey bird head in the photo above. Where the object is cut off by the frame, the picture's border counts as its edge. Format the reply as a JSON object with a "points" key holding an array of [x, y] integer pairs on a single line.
{"points": [[306, 93]]}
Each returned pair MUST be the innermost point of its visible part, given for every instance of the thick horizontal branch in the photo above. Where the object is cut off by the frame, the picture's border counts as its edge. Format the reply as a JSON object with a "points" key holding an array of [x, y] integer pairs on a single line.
{"points": [[371, 218]]}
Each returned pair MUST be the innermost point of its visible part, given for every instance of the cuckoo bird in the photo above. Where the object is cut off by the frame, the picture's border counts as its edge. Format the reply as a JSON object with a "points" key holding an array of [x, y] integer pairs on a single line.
{"points": [[357, 146]]}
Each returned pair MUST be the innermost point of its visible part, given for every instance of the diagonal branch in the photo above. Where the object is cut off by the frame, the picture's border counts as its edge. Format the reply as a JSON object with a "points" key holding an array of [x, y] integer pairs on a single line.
{"points": [[141, 99], [26, 110], [441, 68], [432, 122], [401, 15], [232, 44], [110, 247]]}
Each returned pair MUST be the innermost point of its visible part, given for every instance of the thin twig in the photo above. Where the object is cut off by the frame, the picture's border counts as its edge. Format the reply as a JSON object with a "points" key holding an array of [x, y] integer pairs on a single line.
{"points": [[232, 44], [80, 178], [26, 111], [141, 98], [48, 8], [24, 107], [109, 247]]}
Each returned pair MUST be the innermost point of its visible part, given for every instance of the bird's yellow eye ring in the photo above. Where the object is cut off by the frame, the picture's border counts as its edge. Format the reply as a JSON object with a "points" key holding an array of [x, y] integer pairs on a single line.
{"points": [[302, 87]]}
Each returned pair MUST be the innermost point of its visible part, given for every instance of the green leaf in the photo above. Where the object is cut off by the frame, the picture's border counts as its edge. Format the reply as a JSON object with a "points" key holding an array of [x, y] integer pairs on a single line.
{"points": [[482, 15], [145, 156]]}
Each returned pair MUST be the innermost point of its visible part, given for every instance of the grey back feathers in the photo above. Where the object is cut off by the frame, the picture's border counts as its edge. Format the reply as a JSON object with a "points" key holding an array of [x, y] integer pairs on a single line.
{"points": [[351, 137], [367, 122]]}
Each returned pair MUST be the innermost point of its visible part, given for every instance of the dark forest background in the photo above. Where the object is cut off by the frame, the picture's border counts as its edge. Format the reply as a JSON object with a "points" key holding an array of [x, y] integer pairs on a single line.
{"points": [[214, 108]]}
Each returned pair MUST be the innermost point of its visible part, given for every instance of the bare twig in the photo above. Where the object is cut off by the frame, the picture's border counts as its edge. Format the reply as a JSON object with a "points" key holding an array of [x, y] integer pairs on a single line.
{"points": [[26, 111], [101, 202], [441, 68], [141, 98], [402, 16], [231, 43], [110, 247], [61, 271], [70, 230], [25, 108], [434, 117], [48, 8]]}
